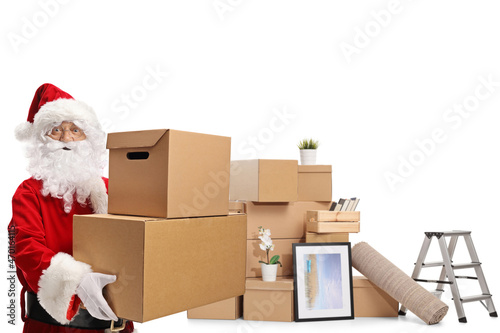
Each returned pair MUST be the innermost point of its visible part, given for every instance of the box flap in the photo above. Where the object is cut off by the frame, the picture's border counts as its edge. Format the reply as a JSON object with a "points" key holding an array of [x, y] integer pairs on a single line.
{"points": [[281, 283], [315, 168], [135, 139]]}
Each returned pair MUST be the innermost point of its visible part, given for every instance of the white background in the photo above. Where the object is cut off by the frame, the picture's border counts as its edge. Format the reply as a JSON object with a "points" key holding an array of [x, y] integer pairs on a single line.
{"points": [[231, 70]]}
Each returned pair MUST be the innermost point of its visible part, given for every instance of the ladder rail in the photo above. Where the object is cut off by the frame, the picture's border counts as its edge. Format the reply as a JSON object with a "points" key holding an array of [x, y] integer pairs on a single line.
{"points": [[451, 251], [451, 277], [418, 265], [479, 273]]}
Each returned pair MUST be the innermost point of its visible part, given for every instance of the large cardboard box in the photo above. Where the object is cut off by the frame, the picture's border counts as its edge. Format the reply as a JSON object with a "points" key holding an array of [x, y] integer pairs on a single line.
{"points": [[163, 266], [333, 237], [229, 309], [314, 183], [168, 173], [269, 301], [286, 220], [371, 301], [282, 247], [264, 180]]}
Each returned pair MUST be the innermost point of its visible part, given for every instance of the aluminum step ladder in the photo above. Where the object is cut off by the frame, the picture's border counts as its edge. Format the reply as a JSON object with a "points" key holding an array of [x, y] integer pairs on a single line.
{"points": [[448, 271]]}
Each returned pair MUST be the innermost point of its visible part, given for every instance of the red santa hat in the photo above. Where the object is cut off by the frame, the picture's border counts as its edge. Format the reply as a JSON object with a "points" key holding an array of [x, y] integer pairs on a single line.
{"points": [[50, 106]]}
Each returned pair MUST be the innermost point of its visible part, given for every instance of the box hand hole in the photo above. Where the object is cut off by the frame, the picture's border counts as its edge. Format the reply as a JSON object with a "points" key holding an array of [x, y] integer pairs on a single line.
{"points": [[138, 155]]}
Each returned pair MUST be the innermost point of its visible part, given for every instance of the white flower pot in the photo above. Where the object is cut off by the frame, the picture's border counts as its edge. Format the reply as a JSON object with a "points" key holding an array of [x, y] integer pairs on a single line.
{"points": [[269, 272], [307, 156]]}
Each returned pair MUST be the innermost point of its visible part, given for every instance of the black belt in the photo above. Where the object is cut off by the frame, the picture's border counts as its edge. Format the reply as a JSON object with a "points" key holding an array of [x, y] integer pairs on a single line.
{"points": [[83, 320]]}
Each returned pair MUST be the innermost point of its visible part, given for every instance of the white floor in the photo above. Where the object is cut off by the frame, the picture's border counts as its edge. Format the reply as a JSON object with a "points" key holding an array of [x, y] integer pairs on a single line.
{"points": [[477, 317]]}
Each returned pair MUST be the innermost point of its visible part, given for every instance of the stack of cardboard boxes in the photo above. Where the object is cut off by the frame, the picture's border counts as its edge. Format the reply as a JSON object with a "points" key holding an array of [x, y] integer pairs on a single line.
{"points": [[177, 243], [275, 194], [292, 201], [168, 235]]}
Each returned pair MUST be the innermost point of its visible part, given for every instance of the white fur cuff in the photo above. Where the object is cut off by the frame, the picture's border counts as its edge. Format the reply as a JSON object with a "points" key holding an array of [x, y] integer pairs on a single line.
{"points": [[58, 284]]}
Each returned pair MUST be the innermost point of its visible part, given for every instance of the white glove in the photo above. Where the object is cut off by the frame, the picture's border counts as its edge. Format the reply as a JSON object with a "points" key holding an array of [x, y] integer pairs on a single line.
{"points": [[90, 292]]}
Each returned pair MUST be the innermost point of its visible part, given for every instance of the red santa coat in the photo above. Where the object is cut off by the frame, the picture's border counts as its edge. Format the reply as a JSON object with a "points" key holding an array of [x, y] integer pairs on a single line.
{"points": [[43, 253]]}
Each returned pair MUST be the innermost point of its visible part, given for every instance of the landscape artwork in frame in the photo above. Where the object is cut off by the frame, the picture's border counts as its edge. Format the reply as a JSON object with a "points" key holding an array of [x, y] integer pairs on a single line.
{"points": [[323, 281]]}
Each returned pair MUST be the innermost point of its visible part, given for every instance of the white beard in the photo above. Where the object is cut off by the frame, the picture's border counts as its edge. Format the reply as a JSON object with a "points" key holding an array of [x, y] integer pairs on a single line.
{"points": [[66, 174]]}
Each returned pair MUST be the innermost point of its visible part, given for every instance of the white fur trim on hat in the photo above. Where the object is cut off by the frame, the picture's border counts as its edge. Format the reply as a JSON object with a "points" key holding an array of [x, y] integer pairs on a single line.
{"points": [[55, 112], [58, 284]]}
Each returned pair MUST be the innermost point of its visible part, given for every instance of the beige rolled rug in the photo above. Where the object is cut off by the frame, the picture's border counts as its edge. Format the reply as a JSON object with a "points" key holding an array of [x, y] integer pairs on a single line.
{"points": [[397, 284]]}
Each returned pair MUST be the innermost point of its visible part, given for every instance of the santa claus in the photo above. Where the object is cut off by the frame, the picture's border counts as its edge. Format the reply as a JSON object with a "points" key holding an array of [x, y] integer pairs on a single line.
{"points": [[66, 151]]}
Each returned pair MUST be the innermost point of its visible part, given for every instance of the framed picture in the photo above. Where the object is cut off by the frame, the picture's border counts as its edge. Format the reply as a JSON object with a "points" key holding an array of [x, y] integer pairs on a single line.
{"points": [[323, 281]]}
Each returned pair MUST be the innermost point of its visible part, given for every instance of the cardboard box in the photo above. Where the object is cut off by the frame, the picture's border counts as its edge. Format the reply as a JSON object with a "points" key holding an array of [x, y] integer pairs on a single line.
{"points": [[329, 227], [282, 247], [314, 183], [371, 301], [330, 216], [163, 266], [286, 220], [264, 180], [269, 301], [168, 173], [334, 237], [229, 309]]}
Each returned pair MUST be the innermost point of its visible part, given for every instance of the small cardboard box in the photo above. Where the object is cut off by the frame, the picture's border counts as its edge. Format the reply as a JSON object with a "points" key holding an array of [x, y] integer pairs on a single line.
{"points": [[282, 247], [331, 216], [269, 301], [333, 237], [228, 309], [329, 227], [237, 207], [264, 180], [314, 183], [286, 220], [168, 173], [371, 301], [163, 266]]}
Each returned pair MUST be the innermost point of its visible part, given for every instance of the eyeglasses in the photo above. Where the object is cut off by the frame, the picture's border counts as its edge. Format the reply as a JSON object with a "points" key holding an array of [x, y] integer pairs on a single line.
{"points": [[74, 131]]}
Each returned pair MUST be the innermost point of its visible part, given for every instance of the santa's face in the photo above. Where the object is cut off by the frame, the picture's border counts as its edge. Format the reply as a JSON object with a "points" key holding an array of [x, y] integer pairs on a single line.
{"points": [[67, 161], [67, 131]]}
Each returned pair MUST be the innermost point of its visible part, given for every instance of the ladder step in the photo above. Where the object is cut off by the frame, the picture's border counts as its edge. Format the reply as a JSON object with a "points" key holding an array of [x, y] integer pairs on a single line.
{"points": [[454, 266], [456, 233], [432, 264], [466, 277], [469, 265], [439, 234], [433, 281], [467, 299]]}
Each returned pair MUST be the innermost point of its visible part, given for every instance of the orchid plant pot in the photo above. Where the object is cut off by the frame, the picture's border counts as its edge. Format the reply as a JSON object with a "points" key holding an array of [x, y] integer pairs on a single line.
{"points": [[269, 271]]}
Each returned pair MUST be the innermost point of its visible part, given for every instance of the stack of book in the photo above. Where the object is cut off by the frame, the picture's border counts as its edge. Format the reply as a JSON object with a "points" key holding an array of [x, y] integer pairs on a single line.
{"points": [[345, 205]]}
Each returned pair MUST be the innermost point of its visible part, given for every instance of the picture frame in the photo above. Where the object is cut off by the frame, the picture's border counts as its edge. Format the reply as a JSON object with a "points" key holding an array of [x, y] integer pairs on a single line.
{"points": [[322, 281]]}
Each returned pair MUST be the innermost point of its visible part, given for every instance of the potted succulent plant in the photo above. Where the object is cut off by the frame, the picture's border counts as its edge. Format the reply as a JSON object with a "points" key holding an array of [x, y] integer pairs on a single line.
{"points": [[308, 151], [269, 268]]}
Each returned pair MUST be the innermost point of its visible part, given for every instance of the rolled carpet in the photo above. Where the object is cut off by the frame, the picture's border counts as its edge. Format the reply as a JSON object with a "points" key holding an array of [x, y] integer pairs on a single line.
{"points": [[397, 284]]}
